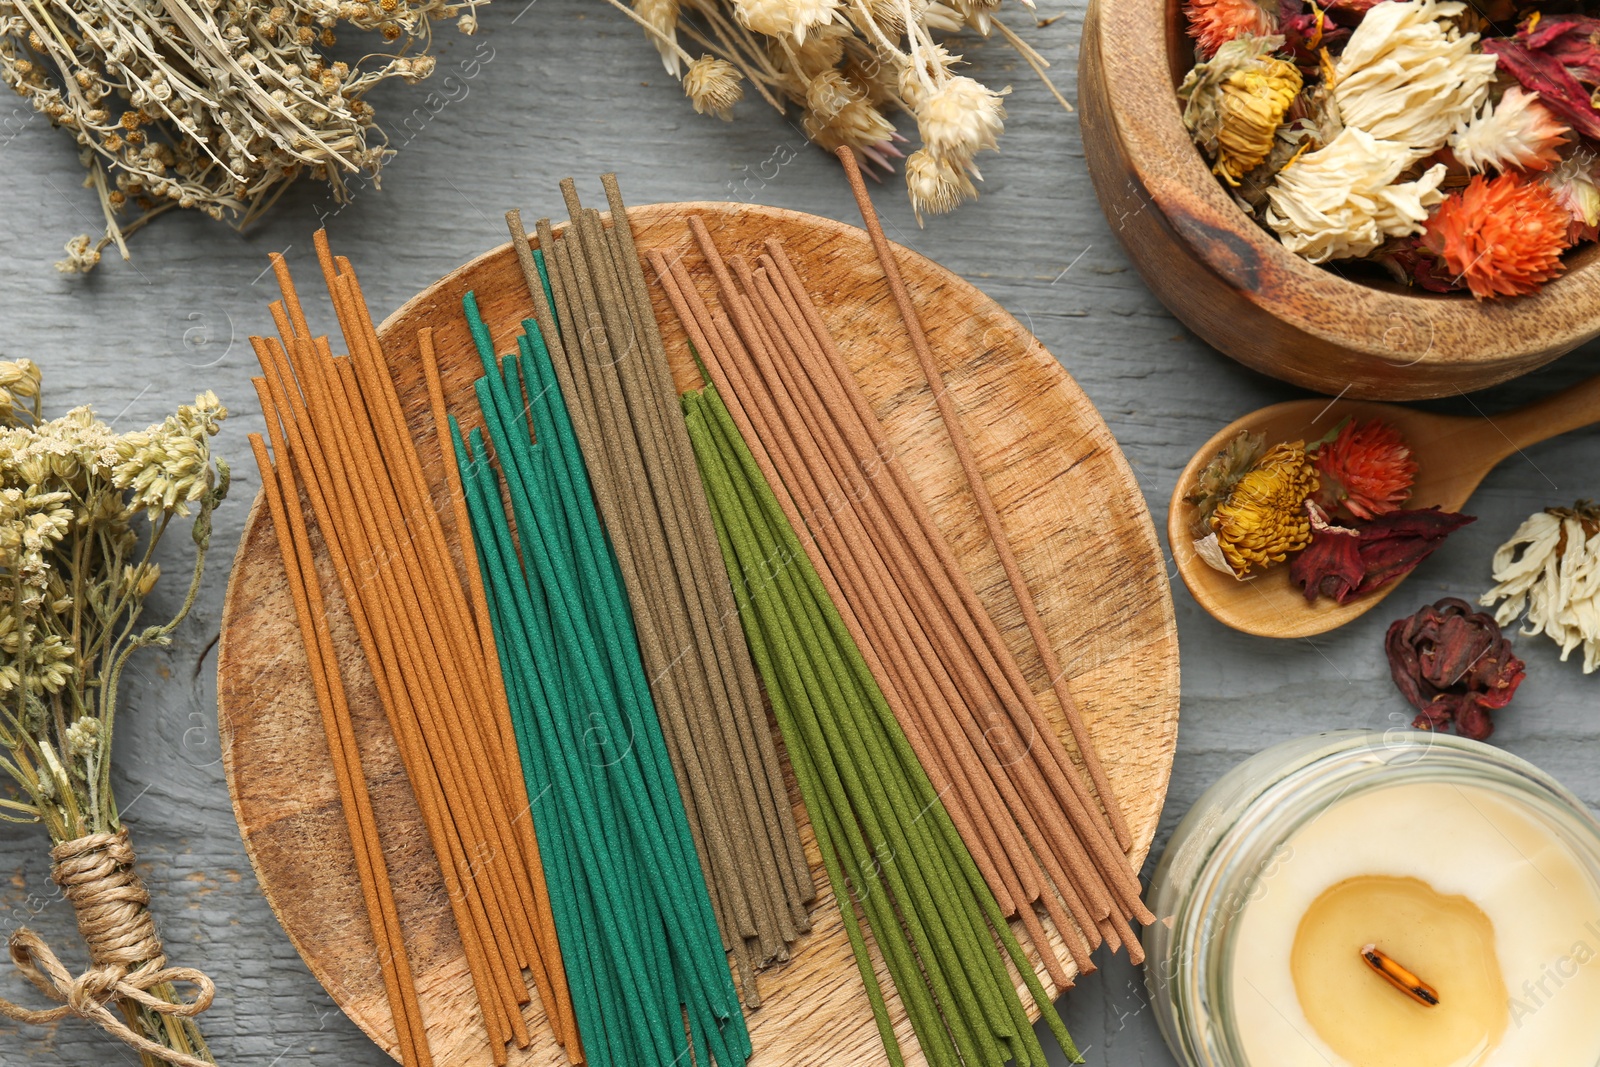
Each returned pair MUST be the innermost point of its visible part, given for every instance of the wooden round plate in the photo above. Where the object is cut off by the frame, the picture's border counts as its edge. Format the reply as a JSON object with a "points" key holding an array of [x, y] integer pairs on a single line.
{"points": [[1072, 508]]}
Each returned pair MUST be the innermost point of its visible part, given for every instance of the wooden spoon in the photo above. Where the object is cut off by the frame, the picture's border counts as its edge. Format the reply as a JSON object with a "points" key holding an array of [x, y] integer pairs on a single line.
{"points": [[1453, 454]]}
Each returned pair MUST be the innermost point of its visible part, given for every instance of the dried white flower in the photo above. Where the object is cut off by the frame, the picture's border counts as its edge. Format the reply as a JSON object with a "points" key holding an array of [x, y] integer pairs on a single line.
{"points": [[935, 185], [83, 737], [713, 85], [1518, 131], [662, 17], [1409, 75], [168, 466], [839, 113], [1342, 200], [961, 118], [785, 18], [1550, 570]]}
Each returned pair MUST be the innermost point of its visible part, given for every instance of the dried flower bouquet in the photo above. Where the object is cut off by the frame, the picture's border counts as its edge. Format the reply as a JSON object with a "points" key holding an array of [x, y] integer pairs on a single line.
{"points": [[82, 510], [849, 65], [213, 106], [1452, 145]]}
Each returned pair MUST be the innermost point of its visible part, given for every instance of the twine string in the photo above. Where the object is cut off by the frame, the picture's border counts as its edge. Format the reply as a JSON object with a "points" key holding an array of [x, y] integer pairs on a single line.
{"points": [[126, 960]]}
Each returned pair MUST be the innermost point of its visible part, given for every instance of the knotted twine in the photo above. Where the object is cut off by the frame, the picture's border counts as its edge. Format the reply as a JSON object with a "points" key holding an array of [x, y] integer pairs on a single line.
{"points": [[126, 959]]}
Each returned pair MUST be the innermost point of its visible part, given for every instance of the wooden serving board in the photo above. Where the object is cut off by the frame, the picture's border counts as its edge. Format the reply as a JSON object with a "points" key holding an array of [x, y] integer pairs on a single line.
{"points": [[1074, 513]]}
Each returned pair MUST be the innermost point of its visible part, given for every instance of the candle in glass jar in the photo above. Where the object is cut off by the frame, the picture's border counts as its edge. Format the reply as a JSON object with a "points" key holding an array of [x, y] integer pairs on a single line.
{"points": [[1358, 899], [1458, 887]]}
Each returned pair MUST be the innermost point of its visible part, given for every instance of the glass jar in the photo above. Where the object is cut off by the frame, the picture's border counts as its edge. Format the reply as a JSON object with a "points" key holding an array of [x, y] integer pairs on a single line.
{"points": [[1225, 851]]}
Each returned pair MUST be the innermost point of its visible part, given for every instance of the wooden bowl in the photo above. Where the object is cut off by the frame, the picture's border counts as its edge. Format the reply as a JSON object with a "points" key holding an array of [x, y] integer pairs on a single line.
{"points": [[1071, 506], [1236, 286]]}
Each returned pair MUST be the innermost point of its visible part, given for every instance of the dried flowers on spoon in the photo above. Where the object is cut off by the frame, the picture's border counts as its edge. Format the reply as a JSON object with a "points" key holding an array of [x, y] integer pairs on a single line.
{"points": [[215, 106], [1549, 573], [1333, 509], [1419, 141]]}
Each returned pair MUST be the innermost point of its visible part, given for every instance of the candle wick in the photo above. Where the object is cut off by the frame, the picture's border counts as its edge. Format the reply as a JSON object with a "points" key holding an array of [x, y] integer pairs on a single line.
{"points": [[1399, 977]]}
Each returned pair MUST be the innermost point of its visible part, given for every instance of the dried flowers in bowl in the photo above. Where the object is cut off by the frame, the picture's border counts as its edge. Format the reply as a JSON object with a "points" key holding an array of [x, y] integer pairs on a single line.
{"points": [[1549, 574], [215, 107], [1406, 134], [82, 509], [849, 68], [1331, 509]]}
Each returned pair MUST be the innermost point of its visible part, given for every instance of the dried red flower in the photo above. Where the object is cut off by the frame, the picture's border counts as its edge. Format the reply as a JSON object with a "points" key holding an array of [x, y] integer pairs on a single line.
{"points": [[1454, 665], [1213, 23], [1367, 468], [1502, 236], [1346, 562], [1557, 57]]}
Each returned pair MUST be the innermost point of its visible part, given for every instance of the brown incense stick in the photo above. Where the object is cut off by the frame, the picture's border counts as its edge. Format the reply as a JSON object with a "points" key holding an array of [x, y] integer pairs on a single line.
{"points": [[980, 492], [611, 365]]}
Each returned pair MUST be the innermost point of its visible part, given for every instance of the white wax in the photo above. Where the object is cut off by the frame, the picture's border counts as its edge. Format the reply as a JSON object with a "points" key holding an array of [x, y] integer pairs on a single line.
{"points": [[1464, 841]]}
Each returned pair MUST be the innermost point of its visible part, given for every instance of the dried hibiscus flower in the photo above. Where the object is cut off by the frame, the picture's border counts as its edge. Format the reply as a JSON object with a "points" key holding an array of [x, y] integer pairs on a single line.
{"points": [[1343, 563], [1502, 236], [1454, 665], [1367, 468]]}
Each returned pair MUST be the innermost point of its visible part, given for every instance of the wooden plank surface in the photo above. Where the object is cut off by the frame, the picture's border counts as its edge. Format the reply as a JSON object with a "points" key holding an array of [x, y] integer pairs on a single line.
{"points": [[570, 87]]}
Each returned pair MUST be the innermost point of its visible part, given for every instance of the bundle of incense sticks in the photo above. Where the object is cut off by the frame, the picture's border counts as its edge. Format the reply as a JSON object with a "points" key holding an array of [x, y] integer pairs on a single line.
{"points": [[1034, 827], [595, 316], [632, 907], [887, 842], [338, 431]]}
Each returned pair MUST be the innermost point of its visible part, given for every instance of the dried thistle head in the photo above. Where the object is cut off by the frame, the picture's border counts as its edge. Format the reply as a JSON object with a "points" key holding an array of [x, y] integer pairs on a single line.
{"points": [[934, 185], [713, 85]]}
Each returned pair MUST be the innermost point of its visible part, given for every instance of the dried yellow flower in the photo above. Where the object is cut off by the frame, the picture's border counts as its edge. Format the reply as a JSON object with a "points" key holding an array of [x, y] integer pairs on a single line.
{"points": [[935, 185], [1235, 102], [1264, 518]]}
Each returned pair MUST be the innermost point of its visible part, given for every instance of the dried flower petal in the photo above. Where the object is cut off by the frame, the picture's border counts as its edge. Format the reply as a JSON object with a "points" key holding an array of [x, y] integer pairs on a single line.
{"points": [[1343, 200], [1330, 565], [1556, 58], [1453, 665], [1503, 236], [1408, 74], [1516, 132], [1213, 23], [1550, 572], [1393, 545], [1264, 520], [1366, 467]]}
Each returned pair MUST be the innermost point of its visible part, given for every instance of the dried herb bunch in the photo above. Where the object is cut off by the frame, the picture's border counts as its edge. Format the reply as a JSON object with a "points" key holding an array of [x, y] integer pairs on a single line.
{"points": [[215, 106], [82, 511], [849, 67]]}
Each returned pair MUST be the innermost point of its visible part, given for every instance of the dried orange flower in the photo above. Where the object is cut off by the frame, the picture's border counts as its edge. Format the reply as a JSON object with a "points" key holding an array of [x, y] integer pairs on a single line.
{"points": [[1367, 468], [1503, 237], [1213, 23], [1264, 519]]}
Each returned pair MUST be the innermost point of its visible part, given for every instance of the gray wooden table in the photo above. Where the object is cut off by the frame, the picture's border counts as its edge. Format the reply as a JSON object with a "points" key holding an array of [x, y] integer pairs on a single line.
{"points": [[568, 87]]}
